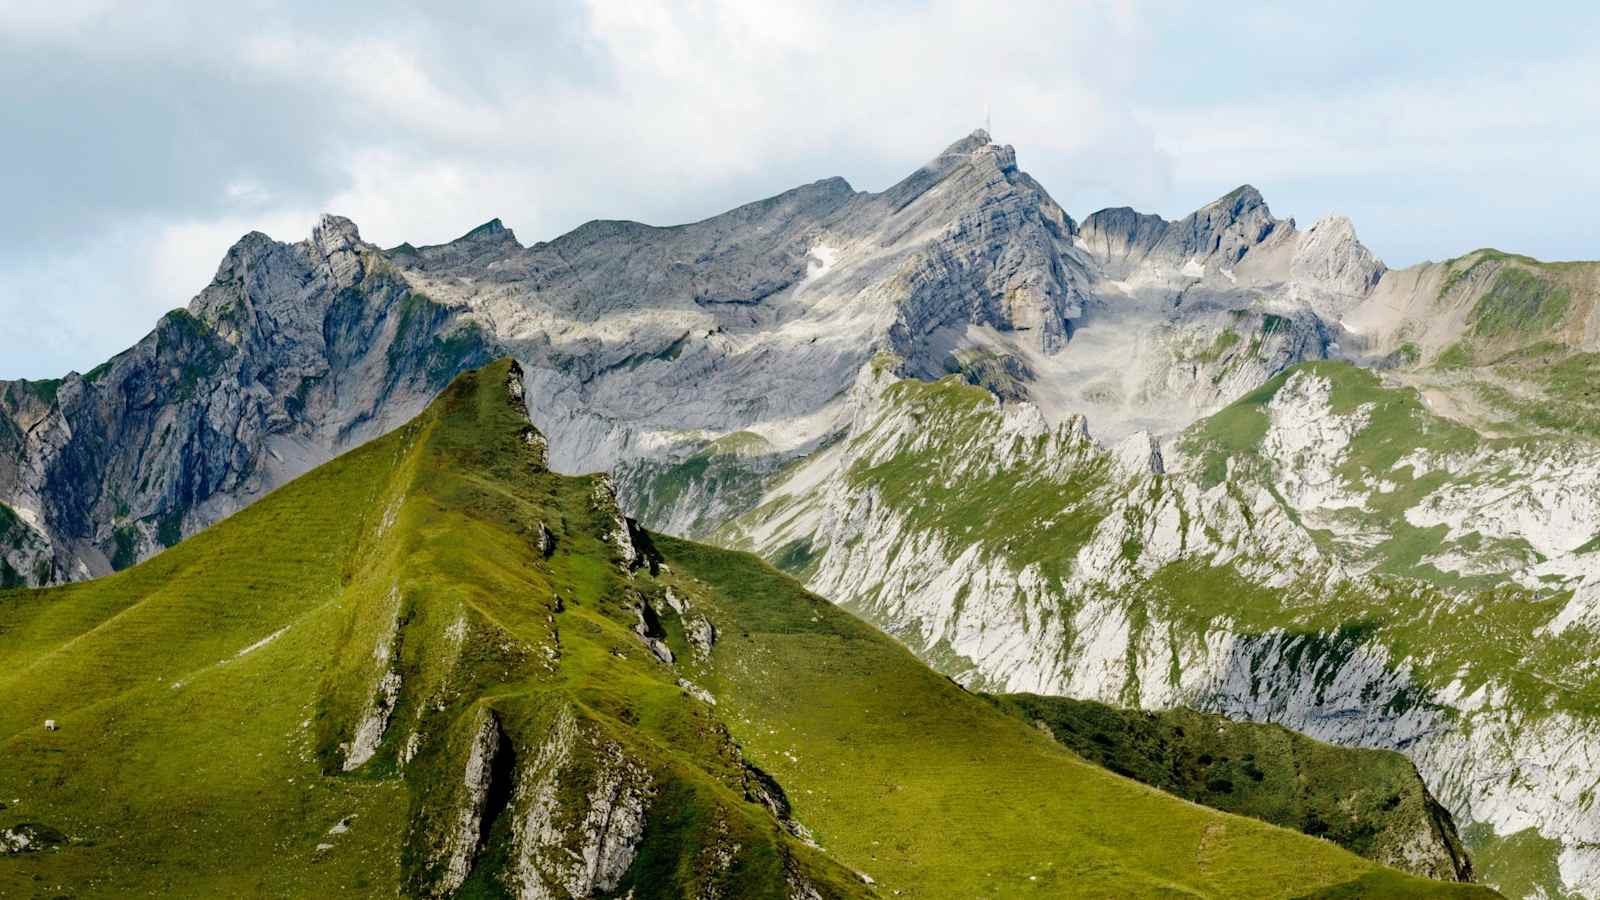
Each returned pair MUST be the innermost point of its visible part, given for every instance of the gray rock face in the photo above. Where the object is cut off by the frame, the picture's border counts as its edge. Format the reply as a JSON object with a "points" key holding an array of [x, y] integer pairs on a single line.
{"points": [[1222, 232], [582, 850], [461, 843], [1225, 229], [642, 344], [293, 353], [1140, 454], [621, 532], [25, 556], [384, 695], [1001, 262], [28, 838], [1330, 256], [1360, 646], [1122, 233]]}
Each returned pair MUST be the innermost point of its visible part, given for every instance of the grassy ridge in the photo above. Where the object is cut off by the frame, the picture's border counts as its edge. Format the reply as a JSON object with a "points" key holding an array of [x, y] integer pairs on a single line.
{"points": [[183, 768], [211, 700]]}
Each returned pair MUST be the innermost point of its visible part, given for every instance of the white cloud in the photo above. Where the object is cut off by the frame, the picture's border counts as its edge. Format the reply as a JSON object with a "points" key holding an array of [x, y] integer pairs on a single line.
{"points": [[422, 121]]}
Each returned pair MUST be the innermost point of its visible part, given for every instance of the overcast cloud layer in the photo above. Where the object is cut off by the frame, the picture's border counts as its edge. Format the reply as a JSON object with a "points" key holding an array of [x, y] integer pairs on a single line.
{"points": [[141, 140]]}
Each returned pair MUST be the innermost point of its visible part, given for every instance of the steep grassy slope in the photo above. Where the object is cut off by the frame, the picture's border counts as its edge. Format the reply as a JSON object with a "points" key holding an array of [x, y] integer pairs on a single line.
{"points": [[433, 667], [1370, 801], [372, 681], [934, 793]]}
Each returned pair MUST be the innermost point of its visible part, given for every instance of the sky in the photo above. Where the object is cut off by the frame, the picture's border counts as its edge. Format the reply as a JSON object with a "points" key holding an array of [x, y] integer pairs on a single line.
{"points": [[140, 140]]}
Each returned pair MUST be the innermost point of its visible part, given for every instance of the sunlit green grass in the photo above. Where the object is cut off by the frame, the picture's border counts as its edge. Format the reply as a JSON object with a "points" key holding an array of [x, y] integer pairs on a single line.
{"points": [[935, 793], [183, 768]]}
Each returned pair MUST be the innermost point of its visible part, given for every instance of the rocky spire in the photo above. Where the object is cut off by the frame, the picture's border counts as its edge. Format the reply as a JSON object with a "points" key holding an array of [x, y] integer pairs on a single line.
{"points": [[334, 234], [1330, 257], [1226, 228], [336, 241]]}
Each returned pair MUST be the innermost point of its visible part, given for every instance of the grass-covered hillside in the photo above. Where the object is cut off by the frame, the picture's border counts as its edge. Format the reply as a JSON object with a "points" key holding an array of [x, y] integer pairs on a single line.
{"points": [[1370, 801], [433, 668]]}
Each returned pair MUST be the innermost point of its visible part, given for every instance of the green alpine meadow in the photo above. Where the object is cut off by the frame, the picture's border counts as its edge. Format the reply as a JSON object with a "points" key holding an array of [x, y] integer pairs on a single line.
{"points": [[434, 668]]}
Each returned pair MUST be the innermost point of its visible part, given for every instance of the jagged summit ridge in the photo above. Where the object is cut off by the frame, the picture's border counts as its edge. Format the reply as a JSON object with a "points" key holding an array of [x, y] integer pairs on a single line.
{"points": [[1219, 234], [640, 340], [1219, 237]]}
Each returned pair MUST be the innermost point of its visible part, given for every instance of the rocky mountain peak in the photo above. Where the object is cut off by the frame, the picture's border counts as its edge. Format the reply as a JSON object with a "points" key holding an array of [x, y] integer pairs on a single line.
{"points": [[998, 260], [334, 234], [1243, 197], [491, 231], [1331, 257], [1229, 226], [956, 158], [977, 140], [239, 256]]}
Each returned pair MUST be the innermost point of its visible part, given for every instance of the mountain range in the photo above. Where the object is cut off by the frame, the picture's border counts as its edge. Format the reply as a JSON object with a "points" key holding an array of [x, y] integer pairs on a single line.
{"points": [[1219, 462]]}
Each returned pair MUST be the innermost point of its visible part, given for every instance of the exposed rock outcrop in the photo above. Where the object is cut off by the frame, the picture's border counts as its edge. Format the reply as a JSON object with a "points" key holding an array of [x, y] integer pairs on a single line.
{"points": [[29, 838], [621, 532], [648, 628], [385, 694], [644, 344], [1289, 580], [702, 635], [1140, 454], [461, 842], [25, 556], [560, 851]]}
